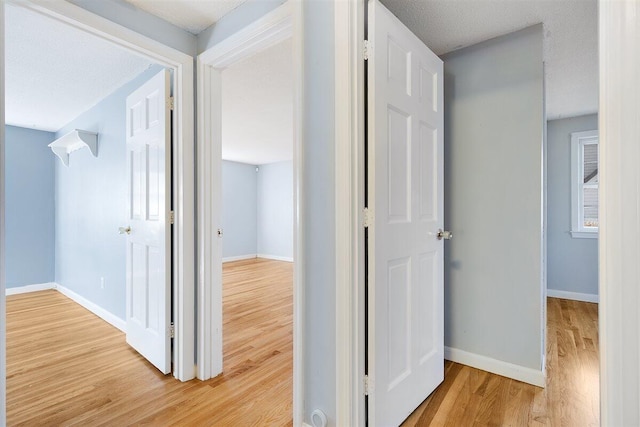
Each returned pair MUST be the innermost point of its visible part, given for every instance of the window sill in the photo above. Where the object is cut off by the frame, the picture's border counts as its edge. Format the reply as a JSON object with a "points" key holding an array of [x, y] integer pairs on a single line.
{"points": [[584, 234]]}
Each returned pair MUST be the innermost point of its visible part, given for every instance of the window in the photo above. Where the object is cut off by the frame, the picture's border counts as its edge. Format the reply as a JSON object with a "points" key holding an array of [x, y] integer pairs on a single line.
{"points": [[584, 184]]}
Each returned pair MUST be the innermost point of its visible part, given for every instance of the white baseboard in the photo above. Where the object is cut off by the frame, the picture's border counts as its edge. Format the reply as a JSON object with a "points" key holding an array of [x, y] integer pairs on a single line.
{"points": [[276, 257], [94, 308], [576, 296], [506, 369], [238, 258], [30, 288]]}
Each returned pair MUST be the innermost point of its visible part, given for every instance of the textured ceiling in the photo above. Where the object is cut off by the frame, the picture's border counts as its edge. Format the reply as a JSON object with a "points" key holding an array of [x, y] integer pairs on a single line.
{"points": [[257, 107], [570, 39], [191, 15], [54, 72]]}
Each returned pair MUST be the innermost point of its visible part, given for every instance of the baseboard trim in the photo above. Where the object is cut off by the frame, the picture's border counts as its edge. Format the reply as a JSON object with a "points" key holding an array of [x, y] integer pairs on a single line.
{"points": [[576, 296], [94, 308], [238, 258], [505, 369], [275, 257], [30, 288]]}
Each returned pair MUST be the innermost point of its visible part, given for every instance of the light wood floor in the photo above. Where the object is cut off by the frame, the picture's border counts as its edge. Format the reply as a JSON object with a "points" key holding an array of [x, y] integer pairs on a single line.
{"points": [[65, 366], [470, 397]]}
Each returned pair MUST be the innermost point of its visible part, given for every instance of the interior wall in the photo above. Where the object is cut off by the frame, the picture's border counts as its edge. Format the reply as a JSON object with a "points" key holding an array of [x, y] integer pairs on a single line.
{"points": [[129, 16], [318, 209], [91, 202], [572, 262], [239, 210], [275, 210], [30, 207], [240, 17], [493, 204]]}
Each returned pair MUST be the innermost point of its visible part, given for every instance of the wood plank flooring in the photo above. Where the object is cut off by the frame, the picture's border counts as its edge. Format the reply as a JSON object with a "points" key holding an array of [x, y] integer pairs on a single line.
{"points": [[470, 397], [65, 366]]}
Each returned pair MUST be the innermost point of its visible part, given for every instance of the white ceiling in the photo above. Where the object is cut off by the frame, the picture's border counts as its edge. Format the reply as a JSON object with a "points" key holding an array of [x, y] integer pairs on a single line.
{"points": [[570, 39], [257, 107], [54, 72], [191, 15]]}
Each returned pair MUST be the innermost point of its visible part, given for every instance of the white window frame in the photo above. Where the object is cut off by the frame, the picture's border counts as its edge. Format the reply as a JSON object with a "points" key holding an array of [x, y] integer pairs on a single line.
{"points": [[578, 141]]}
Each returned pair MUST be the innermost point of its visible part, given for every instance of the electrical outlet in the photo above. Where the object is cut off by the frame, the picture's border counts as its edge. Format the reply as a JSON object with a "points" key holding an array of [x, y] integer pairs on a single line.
{"points": [[102, 283]]}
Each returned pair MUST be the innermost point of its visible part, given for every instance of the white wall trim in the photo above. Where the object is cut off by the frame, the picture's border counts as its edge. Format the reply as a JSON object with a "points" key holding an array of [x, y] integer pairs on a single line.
{"points": [[183, 159], [283, 22], [105, 315], [349, 202], [575, 296], [499, 367], [30, 288], [239, 258], [275, 257], [619, 242]]}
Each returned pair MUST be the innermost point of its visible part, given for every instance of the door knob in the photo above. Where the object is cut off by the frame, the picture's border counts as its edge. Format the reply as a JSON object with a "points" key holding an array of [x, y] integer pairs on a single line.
{"points": [[446, 235], [124, 230]]}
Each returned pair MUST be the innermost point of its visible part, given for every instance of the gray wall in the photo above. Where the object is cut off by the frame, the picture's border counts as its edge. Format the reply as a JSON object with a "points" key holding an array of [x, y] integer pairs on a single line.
{"points": [[239, 199], [30, 232], [275, 209], [572, 263], [493, 198], [91, 202]]}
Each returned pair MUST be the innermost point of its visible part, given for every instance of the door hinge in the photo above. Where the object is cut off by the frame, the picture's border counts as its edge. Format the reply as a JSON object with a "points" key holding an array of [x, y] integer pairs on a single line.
{"points": [[172, 217], [366, 385], [172, 330], [367, 217], [171, 103], [366, 50]]}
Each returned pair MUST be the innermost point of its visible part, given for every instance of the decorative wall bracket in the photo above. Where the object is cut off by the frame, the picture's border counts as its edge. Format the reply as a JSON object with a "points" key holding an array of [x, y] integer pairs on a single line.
{"points": [[73, 141]]}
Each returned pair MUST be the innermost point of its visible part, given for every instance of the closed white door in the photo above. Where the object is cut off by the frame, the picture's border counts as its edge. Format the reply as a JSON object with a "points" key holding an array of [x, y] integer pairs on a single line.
{"points": [[405, 157], [148, 231]]}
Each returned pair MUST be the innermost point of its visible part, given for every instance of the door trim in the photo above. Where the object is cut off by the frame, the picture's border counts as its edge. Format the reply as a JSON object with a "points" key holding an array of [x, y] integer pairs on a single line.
{"points": [[350, 319], [183, 159], [272, 28]]}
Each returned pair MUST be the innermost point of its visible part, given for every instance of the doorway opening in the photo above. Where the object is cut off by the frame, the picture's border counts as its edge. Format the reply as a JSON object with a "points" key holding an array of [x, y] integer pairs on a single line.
{"points": [[71, 198]]}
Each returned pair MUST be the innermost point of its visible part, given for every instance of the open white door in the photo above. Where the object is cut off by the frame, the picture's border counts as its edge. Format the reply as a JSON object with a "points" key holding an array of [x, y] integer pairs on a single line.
{"points": [[405, 178], [148, 232]]}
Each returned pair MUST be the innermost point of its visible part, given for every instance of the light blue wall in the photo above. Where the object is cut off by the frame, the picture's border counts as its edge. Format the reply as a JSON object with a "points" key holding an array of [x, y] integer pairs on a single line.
{"points": [[493, 198], [275, 209], [91, 197], [30, 212], [318, 204], [239, 198], [127, 15], [572, 263], [240, 17]]}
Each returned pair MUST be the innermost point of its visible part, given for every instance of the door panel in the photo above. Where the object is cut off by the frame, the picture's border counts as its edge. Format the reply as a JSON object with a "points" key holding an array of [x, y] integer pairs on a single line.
{"points": [[405, 155], [148, 242]]}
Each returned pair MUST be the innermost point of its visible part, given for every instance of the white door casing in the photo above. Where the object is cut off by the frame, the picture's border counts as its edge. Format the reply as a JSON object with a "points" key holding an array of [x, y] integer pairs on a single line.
{"points": [[148, 300], [405, 178]]}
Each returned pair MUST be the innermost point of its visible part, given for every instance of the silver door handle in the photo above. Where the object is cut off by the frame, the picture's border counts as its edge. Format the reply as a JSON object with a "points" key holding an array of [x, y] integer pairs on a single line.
{"points": [[125, 230], [446, 235]]}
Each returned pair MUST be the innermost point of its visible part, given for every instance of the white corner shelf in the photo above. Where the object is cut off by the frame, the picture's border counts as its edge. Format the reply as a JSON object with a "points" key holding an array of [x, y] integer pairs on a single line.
{"points": [[73, 141]]}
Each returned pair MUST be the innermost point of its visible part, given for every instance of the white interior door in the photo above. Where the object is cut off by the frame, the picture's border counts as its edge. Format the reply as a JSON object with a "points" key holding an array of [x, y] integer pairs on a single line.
{"points": [[148, 232], [405, 157]]}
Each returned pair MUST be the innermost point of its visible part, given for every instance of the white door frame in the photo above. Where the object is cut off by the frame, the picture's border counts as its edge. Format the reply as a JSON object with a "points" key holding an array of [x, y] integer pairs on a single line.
{"points": [[267, 31], [350, 319], [274, 27], [183, 269]]}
